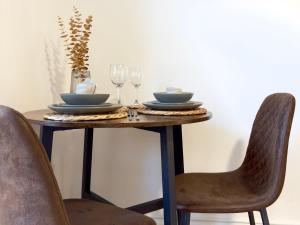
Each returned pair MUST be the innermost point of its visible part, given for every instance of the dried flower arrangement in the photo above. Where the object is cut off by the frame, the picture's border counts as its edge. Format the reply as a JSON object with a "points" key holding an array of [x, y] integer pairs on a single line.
{"points": [[76, 40]]}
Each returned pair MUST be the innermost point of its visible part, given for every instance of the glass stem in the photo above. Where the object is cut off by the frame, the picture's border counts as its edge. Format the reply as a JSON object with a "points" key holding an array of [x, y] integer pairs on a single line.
{"points": [[118, 95], [136, 101]]}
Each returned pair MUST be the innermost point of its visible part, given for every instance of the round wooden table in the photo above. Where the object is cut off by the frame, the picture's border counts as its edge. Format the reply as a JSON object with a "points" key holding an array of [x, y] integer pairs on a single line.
{"points": [[36, 117], [170, 130]]}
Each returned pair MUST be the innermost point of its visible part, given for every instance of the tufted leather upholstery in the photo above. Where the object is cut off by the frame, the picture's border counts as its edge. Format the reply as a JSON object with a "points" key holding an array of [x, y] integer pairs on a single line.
{"points": [[258, 182], [29, 194]]}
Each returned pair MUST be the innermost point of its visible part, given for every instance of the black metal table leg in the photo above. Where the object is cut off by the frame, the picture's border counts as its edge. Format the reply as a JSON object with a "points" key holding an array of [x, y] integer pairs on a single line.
{"points": [[178, 149], [183, 218], [168, 175], [46, 138], [87, 161]]}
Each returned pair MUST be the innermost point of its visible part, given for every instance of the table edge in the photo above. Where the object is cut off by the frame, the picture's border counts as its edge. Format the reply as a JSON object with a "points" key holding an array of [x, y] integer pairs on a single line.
{"points": [[132, 124]]}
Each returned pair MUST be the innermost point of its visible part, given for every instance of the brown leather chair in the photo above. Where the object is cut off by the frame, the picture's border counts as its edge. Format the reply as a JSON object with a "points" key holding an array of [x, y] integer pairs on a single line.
{"points": [[258, 182], [29, 194]]}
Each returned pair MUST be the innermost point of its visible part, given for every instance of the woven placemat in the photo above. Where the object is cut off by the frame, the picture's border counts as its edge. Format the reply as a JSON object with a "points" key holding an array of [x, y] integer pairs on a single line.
{"points": [[197, 111], [68, 117]]}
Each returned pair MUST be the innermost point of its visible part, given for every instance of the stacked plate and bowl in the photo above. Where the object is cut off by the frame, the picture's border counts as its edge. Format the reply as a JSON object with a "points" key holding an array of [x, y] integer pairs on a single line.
{"points": [[173, 101], [84, 104]]}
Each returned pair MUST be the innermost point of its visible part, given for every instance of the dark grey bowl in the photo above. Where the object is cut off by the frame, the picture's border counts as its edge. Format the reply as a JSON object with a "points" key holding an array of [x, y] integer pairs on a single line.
{"points": [[84, 99], [167, 97]]}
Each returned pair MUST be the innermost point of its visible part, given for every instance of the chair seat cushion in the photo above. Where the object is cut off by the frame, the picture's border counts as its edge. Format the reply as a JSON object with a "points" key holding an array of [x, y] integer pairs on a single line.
{"points": [[86, 212], [216, 193]]}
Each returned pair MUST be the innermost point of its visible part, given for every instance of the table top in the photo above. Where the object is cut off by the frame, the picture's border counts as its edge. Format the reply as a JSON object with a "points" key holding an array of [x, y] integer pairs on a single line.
{"points": [[36, 117]]}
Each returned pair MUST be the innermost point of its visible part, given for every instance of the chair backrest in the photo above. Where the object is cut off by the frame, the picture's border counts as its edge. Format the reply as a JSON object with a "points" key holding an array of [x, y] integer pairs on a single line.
{"points": [[265, 162], [28, 190]]}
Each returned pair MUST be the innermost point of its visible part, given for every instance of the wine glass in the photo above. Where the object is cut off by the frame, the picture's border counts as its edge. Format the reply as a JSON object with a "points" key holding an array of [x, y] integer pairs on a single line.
{"points": [[118, 75], [136, 81]]}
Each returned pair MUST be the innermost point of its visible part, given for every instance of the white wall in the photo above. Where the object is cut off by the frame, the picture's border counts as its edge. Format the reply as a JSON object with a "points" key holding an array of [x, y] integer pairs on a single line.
{"points": [[230, 53]]}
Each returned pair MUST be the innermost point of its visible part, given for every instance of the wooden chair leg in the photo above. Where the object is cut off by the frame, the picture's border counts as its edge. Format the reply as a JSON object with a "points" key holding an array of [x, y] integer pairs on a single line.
{"points": [[251, 218], [183, 217], [264, 216]]}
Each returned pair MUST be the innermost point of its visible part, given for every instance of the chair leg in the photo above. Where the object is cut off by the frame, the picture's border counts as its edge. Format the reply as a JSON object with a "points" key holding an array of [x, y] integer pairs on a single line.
{"points": [[264, 216], [183, 217], [251, 218]]}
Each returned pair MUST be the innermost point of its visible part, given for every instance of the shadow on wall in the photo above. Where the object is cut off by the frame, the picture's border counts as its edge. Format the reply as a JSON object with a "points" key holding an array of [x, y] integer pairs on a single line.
{"points": [[56, 71], [211, 148], [237, 155]]}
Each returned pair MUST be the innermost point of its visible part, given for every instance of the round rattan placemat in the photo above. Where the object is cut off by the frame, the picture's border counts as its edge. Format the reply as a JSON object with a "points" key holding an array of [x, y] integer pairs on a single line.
{"points": [[68, 117], [197, 111]]}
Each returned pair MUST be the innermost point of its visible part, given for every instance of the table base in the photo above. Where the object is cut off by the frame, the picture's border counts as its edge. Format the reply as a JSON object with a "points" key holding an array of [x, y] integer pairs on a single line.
{"points": [[171, 162]]}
